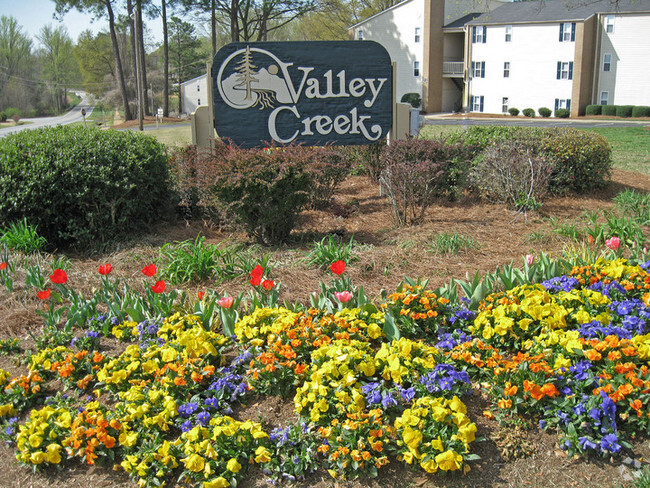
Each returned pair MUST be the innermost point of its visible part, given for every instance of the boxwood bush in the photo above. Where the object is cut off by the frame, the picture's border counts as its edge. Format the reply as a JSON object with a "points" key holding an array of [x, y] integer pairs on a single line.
{"points": [[624, 110], [513, 111], [82, 186], [641, 111], [529, 112], [609, 110], [562, 113], [593, 110], [544, 111], [412, 98]]}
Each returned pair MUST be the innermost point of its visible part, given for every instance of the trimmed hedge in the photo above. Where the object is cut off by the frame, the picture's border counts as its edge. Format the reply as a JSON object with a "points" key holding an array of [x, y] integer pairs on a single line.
{"points": [[82, 186], [641, 111], [593, 110], [624, 110], [529, 112], [413, 98], [609, 110], [513, 111], [562, 113], [544, 111]]}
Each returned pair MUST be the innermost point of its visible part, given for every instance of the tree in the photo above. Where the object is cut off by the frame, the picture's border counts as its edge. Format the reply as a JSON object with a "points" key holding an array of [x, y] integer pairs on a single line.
{"points": [[58, 62], [15, 56], [94, 55], [184, 57], [102, 8]]}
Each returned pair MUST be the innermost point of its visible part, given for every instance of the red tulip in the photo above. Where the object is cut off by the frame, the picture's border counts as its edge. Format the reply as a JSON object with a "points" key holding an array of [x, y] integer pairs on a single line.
{"points": [[343, 296], [59, 277], [226, 302], [159, 287], [590, 239], [149, 270], [3, 265], [201, 295], [44, 295], [268, 284], [105, 269], [256, 275], [613, 243], [337, 267]]}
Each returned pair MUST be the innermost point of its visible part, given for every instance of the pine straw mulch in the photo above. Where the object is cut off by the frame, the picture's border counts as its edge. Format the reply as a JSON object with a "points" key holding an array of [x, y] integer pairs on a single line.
{"points": [[509, 457]]}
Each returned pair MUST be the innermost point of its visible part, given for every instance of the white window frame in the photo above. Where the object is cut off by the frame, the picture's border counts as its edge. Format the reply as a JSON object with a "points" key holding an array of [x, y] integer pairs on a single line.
{"points": [[360, 35], [607, 62], [506, 69], [478, 69], [416, 68], [480, 34], [417, 34], [504, 105], [564, 71], [609, 24], [562, 103], [566, 31], [508, 33], [604, 98], [476, 103]]}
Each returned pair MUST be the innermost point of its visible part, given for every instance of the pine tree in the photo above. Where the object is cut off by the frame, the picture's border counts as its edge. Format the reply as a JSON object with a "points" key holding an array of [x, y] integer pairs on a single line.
{"points": [[247, 72]]}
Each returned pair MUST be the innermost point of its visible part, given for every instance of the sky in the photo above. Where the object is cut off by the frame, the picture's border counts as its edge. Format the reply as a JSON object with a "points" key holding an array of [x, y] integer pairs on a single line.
{"points": [[32, 15]]}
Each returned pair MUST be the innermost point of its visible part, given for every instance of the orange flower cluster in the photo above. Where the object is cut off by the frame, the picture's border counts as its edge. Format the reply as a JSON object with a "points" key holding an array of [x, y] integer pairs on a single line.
{"points": [[77, 369], [91, 434]]}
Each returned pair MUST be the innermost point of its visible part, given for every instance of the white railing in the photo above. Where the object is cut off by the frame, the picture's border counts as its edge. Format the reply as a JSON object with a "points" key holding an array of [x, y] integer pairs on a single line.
{"points": [[453, 68]]}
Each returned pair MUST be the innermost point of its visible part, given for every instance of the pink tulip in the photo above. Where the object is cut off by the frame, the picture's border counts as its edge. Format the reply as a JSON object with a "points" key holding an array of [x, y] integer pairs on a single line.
{"points": [[226, 302], [530, 259], [613, 243], [343, 296]]}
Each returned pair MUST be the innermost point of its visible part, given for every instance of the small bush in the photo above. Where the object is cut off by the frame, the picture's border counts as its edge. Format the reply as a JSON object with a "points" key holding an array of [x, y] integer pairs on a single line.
{"points": [[609, 110], [417, 171], [562, 113], [529, 112], [413, 98], [330, 249], [81, 186], [593, 110], [11, 111], [624, 110], [511, 173], [22, 237], [544, 111], [641, 111], [3, 117], [513, 111], [366, 159], [481, 136]]}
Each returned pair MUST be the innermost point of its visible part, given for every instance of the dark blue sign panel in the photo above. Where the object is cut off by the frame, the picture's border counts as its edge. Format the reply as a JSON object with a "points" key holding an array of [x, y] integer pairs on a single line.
{"points": [[312, 93]]}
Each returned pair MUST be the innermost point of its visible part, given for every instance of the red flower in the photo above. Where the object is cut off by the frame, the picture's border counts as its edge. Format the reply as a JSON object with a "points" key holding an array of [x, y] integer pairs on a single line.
{"points": [[3, 265], [44, 295], [201, 295], [226, 302], [105, 269], [256, 275], [159, 287], [149, 270], [268, 284], [337, 267], [59, 277]]}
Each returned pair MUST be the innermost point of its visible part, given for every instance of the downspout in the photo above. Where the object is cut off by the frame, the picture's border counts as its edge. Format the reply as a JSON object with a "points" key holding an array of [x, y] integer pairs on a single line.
{"points": [[596, 77], [466, 61]]}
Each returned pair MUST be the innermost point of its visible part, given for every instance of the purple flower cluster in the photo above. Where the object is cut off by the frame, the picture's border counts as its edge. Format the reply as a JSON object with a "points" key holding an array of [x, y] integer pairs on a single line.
{"points": [[610, 290], [444, 377], [561, 283], [450, 340], [377, 394]]}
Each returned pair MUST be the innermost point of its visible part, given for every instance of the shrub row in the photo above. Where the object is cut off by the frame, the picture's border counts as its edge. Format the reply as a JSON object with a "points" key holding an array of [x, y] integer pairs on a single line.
{"points": [[81, 186], [543, 111], [618, 110]]}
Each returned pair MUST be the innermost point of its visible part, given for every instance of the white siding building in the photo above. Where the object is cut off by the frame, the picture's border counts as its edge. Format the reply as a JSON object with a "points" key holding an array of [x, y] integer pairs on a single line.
{"points": [[194, 92]]}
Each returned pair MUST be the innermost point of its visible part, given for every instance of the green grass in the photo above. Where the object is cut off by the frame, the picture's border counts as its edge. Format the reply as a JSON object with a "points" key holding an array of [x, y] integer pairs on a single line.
{"points": [[630, 147], [173, 136], [105, 119], [431, 131], [451, 243]]}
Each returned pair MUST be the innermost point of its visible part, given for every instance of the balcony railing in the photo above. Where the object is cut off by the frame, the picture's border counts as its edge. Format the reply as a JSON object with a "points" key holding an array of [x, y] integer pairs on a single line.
{"points": [[453, 68]]}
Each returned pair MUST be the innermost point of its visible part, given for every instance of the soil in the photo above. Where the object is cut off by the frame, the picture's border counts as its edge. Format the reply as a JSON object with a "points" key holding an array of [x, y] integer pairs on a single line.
{"points": [[509, 457]]}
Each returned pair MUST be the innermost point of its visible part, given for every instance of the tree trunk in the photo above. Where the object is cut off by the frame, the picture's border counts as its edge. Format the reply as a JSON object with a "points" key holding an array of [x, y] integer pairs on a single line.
{"points": [[166, 61], [213, 18], [118, 60], [234, 25], [139, 61], [129, 11], [143, 59]]}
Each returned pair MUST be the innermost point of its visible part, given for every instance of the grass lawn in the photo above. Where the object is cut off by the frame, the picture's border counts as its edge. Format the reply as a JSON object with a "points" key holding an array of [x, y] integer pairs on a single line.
{"points": [[173, 136], [630, 147]]}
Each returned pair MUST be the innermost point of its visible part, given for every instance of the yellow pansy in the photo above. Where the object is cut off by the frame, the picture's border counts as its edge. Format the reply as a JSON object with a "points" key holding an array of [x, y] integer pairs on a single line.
{"points": [[194, 462], [219, 482], [449, 460], [233, 465]]}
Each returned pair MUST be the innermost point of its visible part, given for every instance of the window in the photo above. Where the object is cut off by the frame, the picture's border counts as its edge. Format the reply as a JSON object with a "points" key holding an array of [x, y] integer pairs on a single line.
{"points": [[198, 102], [607, 62], [360, 34], [478, 69], [568, 32], [563, 103], [508, 33], [417, 34], [477, 103], [604, 98], [564, 70], [506, 69], [479, 34], [198, 88], [504, 105], [416, 68], [609, 24]]}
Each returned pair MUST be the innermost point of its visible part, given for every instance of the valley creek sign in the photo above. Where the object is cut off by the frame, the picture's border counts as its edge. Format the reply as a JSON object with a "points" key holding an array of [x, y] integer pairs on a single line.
{"points": [[312, 93]]}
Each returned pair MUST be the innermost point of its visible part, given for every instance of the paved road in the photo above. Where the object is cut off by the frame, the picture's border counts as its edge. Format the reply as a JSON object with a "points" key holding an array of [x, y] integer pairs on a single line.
{"points": [[536, 122], [74, 115]]}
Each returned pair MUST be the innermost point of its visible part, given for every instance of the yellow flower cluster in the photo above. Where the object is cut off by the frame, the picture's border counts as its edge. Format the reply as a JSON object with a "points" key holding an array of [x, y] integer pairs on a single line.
{"points": [[40, 439], [404, 359]]}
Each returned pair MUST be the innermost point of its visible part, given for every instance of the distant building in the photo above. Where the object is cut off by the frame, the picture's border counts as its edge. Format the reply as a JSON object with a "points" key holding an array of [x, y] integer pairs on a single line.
{"points": [[552, 53], [194, 92]]}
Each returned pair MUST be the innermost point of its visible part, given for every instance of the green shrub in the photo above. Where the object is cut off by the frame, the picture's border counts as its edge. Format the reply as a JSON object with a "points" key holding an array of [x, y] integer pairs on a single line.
{"points": [[82, 186], [413, 98], [581, 160], [22, 237], [513, 111], [3, 117], [419, 171], [562, 113], [529, 112], [482, 136], [330, 249], [641, 111], [624, 110], [609, 110], [263, 190], [365, 159], [544, 111], [11, 111], [593, 110]]}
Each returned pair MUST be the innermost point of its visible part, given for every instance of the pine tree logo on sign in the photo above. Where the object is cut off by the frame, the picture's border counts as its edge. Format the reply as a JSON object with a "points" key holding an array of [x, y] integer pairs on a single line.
{"points": [[302, 92]]}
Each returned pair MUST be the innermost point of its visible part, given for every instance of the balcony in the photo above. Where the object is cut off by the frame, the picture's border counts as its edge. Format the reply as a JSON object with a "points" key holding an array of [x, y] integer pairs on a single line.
{"points": [[453, 69]]}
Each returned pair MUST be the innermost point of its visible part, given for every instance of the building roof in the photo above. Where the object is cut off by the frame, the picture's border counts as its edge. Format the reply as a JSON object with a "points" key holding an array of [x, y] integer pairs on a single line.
{"points": [[459, 23], [397, 5], [194, 79], [557, 10]]}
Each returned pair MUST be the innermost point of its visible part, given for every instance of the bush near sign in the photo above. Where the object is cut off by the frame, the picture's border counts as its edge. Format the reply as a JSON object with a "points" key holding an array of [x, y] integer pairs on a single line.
{"points": [[313, 93]]}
